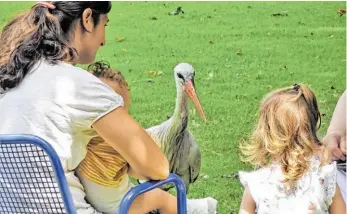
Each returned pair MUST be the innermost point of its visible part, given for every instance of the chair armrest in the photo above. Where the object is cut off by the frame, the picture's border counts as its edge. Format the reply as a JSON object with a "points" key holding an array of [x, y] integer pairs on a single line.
{"points": [[150, 185]]}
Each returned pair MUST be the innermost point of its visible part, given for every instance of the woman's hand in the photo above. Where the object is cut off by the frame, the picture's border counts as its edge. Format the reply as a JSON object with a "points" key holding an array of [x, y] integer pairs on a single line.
{"points": [[336, 143], [336, 133]]}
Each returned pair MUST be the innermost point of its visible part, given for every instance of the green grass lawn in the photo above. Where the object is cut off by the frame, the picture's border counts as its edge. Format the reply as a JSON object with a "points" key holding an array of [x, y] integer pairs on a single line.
{"points": [[240, 53]]}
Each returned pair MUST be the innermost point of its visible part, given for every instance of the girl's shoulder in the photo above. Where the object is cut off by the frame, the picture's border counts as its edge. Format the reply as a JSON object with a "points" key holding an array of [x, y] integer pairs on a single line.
{"points": [[261, 174], [260, 181], [273, 171], [267, 180]]}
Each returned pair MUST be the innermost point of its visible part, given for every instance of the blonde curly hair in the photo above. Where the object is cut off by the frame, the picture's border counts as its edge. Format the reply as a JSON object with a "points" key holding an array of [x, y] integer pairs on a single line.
{"points": [[286, 133]]}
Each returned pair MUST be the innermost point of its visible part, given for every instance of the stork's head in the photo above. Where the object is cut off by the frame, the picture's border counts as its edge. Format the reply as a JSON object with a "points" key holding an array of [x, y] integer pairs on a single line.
{"points": [[184, 75]]}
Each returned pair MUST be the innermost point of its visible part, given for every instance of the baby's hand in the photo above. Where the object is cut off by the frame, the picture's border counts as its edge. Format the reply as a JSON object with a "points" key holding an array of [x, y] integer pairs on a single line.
{"points": [[336, 142]]}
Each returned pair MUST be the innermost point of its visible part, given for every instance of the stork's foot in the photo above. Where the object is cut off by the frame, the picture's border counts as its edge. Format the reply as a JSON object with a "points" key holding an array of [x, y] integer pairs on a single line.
{"points": [[202, 206], [212, 205]]}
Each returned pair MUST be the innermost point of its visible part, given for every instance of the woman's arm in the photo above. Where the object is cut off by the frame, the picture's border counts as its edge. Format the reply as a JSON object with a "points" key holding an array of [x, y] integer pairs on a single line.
{"points": [[134, 174], [126, 136], [335, 138], [338, 120]]}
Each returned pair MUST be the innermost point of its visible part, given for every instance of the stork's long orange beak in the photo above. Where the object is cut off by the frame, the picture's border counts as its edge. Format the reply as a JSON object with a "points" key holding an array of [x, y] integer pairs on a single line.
{"points": [[190, 90]]}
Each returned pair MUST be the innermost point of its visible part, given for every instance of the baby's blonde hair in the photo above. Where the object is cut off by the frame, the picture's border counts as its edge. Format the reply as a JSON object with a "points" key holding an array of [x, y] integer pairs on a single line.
{"points": [[286, 133], [102, 69]]}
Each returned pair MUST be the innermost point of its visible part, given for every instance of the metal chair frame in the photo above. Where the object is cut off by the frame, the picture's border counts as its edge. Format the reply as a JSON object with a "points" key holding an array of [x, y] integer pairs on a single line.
{"points": [[64, 188]]}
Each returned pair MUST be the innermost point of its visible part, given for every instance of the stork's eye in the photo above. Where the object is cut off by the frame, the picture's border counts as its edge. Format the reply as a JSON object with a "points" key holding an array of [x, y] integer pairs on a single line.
{"points": [[180, 76]]}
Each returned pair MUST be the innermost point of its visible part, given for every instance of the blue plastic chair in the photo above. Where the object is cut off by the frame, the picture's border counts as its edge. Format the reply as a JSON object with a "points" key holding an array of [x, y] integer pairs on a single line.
{"points": [[32, 180]]}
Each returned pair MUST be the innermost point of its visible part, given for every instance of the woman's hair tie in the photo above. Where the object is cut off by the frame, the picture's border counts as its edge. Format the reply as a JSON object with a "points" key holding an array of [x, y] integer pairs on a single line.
{"points": [[46, 4]]}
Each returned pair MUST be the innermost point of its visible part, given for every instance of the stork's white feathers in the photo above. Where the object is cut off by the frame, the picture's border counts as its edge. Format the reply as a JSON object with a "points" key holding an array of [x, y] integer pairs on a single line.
{"points": [[173, 136]]}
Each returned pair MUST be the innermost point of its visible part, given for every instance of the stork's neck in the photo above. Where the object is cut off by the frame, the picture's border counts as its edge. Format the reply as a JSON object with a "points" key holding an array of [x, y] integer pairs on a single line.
{"points": [[181, 110]]}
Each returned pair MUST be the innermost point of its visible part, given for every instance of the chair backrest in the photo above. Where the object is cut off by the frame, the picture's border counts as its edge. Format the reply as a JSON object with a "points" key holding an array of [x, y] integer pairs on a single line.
{"points": [[32, 179]]}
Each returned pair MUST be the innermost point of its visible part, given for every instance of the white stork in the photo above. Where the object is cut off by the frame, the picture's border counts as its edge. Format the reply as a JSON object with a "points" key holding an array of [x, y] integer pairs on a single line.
{"points": [[173, 136]]}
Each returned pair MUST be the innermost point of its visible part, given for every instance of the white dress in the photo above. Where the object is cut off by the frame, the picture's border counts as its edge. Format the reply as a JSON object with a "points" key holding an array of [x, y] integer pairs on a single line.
{"points": [[313, 193]]}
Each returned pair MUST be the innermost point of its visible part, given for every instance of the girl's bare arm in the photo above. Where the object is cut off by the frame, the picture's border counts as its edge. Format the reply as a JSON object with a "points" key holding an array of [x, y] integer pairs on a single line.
{"points": [[247, 204], [338, 205]]}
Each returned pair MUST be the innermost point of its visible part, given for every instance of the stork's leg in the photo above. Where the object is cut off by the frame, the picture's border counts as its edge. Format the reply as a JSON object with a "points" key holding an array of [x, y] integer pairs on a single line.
{"points": [[202, 206]]}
